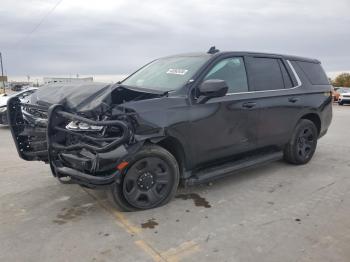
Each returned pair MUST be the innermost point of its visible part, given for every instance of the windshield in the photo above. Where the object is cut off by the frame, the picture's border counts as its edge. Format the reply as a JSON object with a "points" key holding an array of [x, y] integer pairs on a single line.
{"points": [[343, 90], [166, 74]]}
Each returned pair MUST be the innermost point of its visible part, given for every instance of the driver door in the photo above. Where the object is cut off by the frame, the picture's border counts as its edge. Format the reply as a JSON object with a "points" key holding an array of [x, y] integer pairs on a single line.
{"points": [[225, 126]]}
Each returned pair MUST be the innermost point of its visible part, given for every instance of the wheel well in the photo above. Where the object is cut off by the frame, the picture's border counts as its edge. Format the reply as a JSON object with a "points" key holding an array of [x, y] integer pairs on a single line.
{"points": [[175, 148], [315, 119]]}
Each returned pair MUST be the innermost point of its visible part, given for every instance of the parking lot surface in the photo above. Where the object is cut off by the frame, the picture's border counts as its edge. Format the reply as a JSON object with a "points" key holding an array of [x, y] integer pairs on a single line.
{"points": [[277, 212]]}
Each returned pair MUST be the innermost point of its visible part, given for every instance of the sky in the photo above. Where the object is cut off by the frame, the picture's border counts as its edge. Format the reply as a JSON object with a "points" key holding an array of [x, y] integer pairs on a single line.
{"points": [[107, 37]]}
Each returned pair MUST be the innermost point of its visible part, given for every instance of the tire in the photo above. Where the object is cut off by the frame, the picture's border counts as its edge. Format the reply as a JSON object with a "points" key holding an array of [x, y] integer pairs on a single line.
{"points": [[150, 180], [340, 103], [302, 144]]}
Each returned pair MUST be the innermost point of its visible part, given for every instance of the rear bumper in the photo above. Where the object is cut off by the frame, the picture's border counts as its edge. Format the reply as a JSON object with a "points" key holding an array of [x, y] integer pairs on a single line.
{"points": [[86, 159]]}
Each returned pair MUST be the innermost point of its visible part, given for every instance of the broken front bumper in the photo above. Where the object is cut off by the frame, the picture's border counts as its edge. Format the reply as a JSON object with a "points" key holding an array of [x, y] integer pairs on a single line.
{"points": [[86, 158]]}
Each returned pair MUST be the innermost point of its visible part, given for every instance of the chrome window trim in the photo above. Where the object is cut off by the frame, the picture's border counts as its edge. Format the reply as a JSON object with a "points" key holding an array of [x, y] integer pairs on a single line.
{"points": [[295, 74], [284, 89]]}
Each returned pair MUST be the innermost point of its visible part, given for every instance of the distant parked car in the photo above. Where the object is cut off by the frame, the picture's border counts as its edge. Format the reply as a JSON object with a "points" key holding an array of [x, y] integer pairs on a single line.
{"points": [[17, 88], [22, 95], [344, 95]]}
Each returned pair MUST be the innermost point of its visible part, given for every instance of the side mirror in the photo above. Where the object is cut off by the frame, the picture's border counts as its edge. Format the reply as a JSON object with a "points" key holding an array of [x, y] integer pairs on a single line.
{"points": [[212, 88]]}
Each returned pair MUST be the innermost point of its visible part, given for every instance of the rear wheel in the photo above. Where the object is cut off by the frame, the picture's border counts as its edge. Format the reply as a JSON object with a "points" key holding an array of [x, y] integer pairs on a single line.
{"points": [[302, 145], [149, 181]]}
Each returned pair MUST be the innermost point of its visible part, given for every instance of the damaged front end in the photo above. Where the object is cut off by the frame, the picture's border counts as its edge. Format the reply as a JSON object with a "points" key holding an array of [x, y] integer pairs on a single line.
{"points": [[86, 149]]}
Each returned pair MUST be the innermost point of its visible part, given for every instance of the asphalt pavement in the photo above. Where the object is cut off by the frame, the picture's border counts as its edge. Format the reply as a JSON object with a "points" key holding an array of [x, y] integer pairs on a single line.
{"points": [[277, 212]]}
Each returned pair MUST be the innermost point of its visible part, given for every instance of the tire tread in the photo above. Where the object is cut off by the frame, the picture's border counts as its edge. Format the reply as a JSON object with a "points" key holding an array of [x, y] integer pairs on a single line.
{"points": [[289, 150], [148, 149]]}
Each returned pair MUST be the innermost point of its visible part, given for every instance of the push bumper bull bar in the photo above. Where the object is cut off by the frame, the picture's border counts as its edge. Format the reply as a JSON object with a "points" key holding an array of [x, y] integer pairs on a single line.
{"points": [[44, 139]]}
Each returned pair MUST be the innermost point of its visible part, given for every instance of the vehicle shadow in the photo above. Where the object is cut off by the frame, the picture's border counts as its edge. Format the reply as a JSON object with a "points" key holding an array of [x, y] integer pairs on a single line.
{"points": [[232, 180]]}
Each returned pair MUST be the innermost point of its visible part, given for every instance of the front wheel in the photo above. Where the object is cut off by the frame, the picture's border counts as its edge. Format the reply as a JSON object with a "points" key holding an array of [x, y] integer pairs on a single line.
{"points": [[302, 145], [340, 103], [150, 180]]}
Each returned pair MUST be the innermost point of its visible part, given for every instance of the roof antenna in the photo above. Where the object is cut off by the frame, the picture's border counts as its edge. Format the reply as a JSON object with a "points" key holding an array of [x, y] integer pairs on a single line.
{"points": [[213, 50]]}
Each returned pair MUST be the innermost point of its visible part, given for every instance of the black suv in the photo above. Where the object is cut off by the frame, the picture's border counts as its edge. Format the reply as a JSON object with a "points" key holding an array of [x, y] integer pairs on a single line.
{"points": [[190, 118]]}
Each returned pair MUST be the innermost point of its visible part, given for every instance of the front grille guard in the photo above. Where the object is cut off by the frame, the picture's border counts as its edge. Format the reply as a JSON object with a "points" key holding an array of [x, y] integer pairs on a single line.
{"points": [[57, 119], [29, 133], [57, 116], [25, 126]]}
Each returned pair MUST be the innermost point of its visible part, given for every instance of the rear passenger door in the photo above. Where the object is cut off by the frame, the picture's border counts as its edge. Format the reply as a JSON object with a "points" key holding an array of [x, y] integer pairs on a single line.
{"points": [[271, 82]]}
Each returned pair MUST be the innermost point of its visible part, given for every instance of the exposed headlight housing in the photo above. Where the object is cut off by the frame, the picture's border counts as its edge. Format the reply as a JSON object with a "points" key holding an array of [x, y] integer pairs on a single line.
{"points": [[81, 126], [3, 109]]}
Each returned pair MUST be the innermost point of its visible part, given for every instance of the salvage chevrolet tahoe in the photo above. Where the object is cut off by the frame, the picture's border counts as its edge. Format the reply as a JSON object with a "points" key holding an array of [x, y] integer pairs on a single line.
{"points": [[181, 119]]}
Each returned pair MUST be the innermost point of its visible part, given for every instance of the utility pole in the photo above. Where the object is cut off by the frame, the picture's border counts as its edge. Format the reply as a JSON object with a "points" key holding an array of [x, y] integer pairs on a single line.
{"points": [[2, 74]]}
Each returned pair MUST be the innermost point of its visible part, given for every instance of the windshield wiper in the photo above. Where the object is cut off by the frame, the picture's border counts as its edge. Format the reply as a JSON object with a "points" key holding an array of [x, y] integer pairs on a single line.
{"points": [[166, 93], [145, 90]]}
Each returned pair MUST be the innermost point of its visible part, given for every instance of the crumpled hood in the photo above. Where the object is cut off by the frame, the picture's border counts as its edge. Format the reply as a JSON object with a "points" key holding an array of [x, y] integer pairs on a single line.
{"points": [[75, 96], [89, 98]]}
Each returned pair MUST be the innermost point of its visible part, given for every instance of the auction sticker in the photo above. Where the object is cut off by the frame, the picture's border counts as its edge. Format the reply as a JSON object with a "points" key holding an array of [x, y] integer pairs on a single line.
{"points": [[177, 71]]}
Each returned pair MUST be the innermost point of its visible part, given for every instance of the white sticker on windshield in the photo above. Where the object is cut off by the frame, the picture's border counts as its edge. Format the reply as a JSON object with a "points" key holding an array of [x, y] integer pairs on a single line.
{"points": [[177, 71]]}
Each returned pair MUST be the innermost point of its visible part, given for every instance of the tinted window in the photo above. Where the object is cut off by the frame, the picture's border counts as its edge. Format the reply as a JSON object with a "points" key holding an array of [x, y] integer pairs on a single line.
{"points": [[232, 70], [314, 73], [286, 77], [265, 74]]}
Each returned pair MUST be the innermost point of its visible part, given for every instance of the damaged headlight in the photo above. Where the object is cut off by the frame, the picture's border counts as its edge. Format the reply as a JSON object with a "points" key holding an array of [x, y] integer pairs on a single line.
{"points": [[81, 126]]}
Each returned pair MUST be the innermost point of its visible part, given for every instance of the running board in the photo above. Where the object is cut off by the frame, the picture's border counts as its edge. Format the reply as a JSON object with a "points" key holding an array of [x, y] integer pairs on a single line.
{"points": [[226, 169]]}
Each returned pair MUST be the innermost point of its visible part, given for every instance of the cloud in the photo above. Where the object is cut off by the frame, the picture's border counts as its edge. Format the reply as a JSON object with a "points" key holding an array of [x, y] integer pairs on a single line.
{"points": [[116, 37]]}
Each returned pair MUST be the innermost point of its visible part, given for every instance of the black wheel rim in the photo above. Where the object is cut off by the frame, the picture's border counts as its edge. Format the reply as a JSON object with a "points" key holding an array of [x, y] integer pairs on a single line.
{"points": [[306, 143], [147, 182]]}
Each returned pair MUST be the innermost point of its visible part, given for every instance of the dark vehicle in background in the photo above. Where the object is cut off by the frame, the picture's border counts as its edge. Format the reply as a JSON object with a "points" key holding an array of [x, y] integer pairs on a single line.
{"points": [[185, 118], [17, 87], [23, 97], [343, 95]]}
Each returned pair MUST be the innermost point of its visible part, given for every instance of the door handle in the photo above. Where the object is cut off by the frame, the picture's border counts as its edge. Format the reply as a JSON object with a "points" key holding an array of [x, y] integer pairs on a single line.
{"points": [[249, 105], [293, 99]]}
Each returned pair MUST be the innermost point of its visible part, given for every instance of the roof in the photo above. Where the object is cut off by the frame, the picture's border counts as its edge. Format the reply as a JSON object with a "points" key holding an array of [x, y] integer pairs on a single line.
{"points": [[242, 53]]}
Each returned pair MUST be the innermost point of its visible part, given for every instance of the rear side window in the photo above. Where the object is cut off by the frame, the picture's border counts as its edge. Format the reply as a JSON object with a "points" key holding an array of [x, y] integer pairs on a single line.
{"points": [[314, 73], [265, 74], [232, 70], [286, 77]]}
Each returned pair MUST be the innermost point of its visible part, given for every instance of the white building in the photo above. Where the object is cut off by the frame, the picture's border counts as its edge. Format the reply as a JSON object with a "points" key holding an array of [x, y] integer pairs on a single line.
{"points": [[54, 80]]}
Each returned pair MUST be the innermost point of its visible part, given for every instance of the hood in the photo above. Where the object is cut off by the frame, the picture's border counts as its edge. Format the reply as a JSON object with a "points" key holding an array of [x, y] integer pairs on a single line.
{"points": [[73, 96], [91, 97]]}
